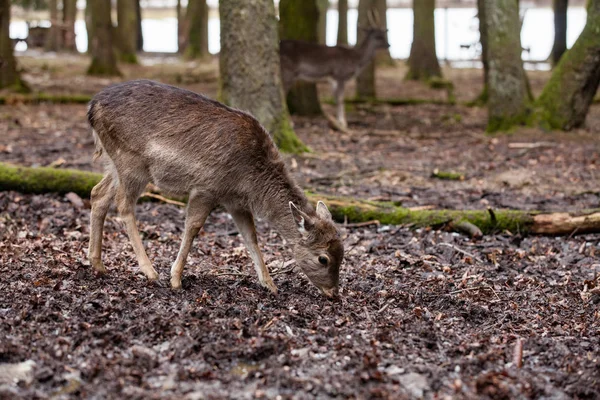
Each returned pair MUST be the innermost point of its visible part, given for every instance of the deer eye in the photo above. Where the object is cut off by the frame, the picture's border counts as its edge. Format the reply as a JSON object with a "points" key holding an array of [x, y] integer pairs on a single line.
{"points": [[323, 260]]}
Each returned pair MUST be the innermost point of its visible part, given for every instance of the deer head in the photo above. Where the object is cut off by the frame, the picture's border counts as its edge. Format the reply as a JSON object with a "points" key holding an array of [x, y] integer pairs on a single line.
{"points": [[320, 251]]}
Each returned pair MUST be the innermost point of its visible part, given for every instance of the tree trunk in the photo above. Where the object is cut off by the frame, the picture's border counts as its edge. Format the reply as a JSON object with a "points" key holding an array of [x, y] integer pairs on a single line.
{"points": [[567, 97], [323, 6], [365, 82], [342, 34], [103, 55], [423, 63], [180, 28], [383, 55], [250, 76], [69, 17], [89, 28], [483, 40], [8, 68], [52, 180], [139, 46], [560, 30], [127, 30], [53, 38], [196, 29], [508, 103], [298, 19]]}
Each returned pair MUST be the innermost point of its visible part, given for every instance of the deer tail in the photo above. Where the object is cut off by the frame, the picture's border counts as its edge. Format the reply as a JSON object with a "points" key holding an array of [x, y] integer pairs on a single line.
{"points": [[91, 114]]}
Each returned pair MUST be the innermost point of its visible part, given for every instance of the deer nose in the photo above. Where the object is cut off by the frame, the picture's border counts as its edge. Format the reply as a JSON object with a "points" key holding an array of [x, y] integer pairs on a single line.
{"points": [[331, 292]]}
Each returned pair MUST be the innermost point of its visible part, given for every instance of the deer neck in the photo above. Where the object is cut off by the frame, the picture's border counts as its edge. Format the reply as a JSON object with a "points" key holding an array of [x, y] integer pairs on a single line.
{"points": [[273, 205], [367, 51]]}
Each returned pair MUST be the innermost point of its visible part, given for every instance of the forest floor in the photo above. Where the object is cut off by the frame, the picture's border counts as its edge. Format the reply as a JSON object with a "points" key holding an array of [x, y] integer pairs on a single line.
{"points": [[423, 313]]}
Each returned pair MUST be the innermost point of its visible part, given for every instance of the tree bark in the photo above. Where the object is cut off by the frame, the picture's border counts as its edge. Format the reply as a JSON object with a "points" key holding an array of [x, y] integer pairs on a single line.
{"points": [[53, 38], [139, 46], [8, 67], [342, 33], [483, 40], [298, 20], [365, 82], [196, 30], [250, 76], [508, 103], [384, 56], [127, 30], [89, 28], [423, 63], [52, 180], [180, 28], [560, 30], [103, 56], [567, 97], [69, 17], [323, 6]]}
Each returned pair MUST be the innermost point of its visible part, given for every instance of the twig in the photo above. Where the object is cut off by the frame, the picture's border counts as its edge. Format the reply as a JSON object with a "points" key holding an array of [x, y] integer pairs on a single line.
{"points": [[233, 274], [467, 228], [466, 253], [492, 215], [518, 353], [163, 199], [362, 224], [386, 305]]}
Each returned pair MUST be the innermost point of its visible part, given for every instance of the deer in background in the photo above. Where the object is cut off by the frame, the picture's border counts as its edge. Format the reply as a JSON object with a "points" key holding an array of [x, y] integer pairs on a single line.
{"points": [[315, 62], [190, 145]]}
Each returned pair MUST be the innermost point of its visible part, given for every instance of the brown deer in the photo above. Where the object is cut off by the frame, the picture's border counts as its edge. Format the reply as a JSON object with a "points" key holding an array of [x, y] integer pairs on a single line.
{"points": [[190, 145], [315, 62]]}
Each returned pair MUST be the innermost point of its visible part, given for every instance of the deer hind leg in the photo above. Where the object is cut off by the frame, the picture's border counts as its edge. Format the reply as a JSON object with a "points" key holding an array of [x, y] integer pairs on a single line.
{"points": [[245, 223], [101, 198], [196, 214], [339, 103], [127, 194]]}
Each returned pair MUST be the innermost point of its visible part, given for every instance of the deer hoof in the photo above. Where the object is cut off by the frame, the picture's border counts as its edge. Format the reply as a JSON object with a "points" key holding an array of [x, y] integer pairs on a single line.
{"points": [[150, 273], [98, 266], [175, 283], [268, 283]]}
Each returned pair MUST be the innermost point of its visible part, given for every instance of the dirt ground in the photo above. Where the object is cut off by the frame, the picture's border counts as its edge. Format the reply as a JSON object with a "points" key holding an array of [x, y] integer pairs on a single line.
{"points": [[422, 313]]}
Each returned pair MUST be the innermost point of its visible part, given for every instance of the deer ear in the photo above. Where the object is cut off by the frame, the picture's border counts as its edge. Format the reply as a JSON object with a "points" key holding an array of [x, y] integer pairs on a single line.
{"points": [[323, 211], [303, 221]]}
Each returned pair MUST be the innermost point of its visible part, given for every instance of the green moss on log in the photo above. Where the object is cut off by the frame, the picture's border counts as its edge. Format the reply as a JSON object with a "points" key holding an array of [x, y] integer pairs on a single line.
{"points": [[47, 180], [50, 180], [36, 98]]}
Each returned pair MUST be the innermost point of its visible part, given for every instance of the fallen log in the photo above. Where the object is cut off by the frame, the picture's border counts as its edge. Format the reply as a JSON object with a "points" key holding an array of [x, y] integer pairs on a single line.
{"points": [[62, 181]]}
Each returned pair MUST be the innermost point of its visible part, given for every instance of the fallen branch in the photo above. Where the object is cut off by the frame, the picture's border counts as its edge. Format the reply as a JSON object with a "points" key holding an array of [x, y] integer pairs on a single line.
{"points": [[62, 181], [163, 199]]}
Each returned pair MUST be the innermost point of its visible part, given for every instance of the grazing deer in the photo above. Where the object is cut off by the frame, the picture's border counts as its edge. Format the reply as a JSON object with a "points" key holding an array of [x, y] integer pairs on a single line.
{"points": [[190, 145], [315, 62]]}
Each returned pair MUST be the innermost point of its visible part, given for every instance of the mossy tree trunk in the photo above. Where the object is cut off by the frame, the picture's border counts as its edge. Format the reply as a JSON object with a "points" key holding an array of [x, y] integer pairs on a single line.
{"points": [[567, 97], [483, 40], [508, 103], [51, 180], [365, 81], [323, 6], [69, 17], [423, 63], [104, 61], [342, 33], [298, 20], [8, 67], [53, 38], [196, 30], [560, 30], [127, 30], [139, 45], [250, 76]]}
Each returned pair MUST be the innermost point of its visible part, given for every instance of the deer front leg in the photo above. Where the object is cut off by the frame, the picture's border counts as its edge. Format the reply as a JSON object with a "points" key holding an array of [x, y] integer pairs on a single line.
{"points": [[339, 103], [196, 214], [245, 223], [126, 199]]}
